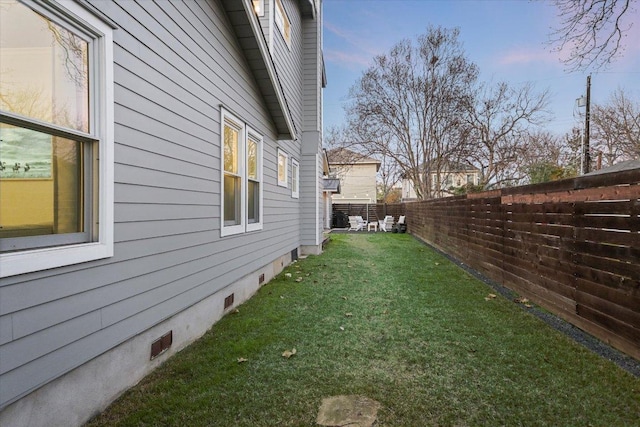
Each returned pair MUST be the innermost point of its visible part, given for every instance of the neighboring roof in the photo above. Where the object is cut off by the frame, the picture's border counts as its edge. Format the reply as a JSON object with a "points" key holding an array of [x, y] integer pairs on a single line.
{"points": [[247, 28], [343, 156], [618, 167], [331, 185]]}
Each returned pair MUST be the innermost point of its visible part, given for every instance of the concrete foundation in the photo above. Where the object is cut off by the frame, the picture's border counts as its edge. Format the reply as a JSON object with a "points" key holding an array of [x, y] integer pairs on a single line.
{"points": [[74, 398]]}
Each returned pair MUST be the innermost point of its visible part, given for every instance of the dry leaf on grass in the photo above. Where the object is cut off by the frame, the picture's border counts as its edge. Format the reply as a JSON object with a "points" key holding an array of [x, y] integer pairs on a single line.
{"points": [[344, 298], [241, 360], [287, 275], [288, 353], [490, 297], [342, 328], [348, 314], [299, 279]]}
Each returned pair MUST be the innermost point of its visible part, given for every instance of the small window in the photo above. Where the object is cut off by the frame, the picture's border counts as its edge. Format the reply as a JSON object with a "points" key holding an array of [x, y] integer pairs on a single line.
{"points": [[258, 7], [241, 202], [470, 179], [282, 22], [56, 137], [283, 173], [295, 178]]}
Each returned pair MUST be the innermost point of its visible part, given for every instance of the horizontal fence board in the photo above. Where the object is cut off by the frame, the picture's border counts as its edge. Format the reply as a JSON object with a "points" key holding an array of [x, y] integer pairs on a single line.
{"points": [[615, 237], [573, 246], [621, 329], [609, 308], [624, 269], [628, 298]]}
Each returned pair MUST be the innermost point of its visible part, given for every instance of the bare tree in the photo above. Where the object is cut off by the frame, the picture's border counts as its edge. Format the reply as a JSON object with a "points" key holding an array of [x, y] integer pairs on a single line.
{"points": [[547, 157], [499, 127], [592, 31], [408, 105], [388, 176], [616, 129]]}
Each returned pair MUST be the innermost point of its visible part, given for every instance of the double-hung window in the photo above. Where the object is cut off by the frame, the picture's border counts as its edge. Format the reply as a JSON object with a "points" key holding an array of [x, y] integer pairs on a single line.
{"points": [[241, 208], [56, 136]]}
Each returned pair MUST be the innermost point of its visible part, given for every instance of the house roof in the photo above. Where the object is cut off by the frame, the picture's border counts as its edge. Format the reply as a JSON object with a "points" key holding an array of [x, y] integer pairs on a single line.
{"points": [[247, 28], [618, 167], [344, 156]]}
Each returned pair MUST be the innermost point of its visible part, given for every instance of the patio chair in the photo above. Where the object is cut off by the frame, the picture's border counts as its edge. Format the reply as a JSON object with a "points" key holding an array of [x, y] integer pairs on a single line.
{"points": [[386, 224], [401, 226], [361, 221], [354, 224]]}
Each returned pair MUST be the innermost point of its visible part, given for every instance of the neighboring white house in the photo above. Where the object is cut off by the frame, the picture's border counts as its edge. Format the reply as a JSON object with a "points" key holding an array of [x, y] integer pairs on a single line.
{"points": [[357, 175], [175, 165], [330, 186], [453, 176]]}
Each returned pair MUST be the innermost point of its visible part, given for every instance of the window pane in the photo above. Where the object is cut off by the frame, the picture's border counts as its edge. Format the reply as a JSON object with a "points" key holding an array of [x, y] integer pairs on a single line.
{"points": [[294, 178], [40, 183], [231, 200], [230, 149], [252, 159], [253, 202], [44, 71], [282, 168]]}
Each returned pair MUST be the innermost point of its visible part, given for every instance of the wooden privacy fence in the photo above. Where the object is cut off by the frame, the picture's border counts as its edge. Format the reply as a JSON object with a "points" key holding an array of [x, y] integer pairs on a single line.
{"points": [[572, 246]]}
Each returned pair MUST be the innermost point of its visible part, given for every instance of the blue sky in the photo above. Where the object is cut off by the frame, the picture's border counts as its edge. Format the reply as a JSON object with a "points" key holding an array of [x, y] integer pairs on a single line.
{"points": [[506, 39]]}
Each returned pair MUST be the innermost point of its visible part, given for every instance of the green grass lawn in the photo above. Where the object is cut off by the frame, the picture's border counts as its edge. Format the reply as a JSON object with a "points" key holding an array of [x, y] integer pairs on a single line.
{"points": [[381, 315]]}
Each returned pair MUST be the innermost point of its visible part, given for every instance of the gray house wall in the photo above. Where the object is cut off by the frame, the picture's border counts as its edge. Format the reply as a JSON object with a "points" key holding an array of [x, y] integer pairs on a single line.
{"points": [[175, 64], [299, 66], [312, 203]]}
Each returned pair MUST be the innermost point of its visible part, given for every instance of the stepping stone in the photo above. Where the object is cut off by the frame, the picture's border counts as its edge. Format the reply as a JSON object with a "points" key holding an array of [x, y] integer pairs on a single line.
{"points": [[351, 411]]}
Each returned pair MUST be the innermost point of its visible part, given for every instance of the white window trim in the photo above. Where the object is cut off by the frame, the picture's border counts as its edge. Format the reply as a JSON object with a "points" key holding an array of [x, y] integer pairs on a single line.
{"points": [[282, 12], [233, 121], [284, 183], [243, 132], [295, 175], [255, 226], [15, 263]]}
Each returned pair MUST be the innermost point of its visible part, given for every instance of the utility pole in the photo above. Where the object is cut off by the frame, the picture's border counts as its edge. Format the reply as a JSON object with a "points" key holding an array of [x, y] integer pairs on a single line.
{"points": [[586, 158]]}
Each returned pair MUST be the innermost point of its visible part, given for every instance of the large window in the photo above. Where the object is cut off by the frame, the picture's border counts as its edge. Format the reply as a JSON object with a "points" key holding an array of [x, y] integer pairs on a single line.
{"points": [[56, 136], [241, 177]]}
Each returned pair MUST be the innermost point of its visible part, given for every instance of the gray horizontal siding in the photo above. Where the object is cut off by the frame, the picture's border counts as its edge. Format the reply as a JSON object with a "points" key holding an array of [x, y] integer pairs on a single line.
{"points": [[288, 61], [311, 74], [311, 173], [175, 63]]}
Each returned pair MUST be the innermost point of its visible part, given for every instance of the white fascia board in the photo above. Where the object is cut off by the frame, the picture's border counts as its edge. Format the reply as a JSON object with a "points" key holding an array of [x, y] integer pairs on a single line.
{"points": [[271, 69]]}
